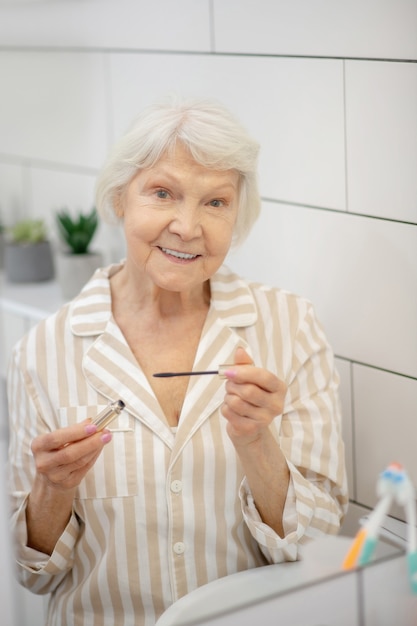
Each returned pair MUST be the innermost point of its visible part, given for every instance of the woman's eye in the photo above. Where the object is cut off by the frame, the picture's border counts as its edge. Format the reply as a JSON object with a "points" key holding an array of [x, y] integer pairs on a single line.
{"points": [[216, 203], [162, 193]]}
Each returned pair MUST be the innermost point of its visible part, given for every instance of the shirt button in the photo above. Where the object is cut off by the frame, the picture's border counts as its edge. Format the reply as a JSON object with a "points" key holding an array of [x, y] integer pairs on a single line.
{"points": [[176, 486], [179, 547]]}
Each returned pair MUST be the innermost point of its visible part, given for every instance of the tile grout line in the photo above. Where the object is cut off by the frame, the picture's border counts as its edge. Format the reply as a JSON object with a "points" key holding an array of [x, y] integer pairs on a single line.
{"points": [[158, 51]]}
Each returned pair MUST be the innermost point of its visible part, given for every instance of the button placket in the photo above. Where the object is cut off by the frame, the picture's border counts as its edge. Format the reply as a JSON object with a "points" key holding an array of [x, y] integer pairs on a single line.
{"points": [[176, 487]]}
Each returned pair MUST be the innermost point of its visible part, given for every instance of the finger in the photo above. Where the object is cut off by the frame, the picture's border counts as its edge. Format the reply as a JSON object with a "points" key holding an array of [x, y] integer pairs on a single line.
{"points": [[79, 465], [256, 396], [242, 357], [68, 477], [241, 426], [238, 408], [248, 399], [63, 436], [66, 467], [246, 372], [257, 377], [248, 393], [71, 455]]}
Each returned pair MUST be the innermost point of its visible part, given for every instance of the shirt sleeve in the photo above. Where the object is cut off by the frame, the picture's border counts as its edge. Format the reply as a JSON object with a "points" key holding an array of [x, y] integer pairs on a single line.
{"points": [[309, 433], [38, 572], [276, 549]]}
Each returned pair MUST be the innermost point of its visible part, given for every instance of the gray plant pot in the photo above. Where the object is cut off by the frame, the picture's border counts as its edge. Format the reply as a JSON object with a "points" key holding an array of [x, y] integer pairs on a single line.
{"points": [[75, 270], [2, 244], [28, 263]]}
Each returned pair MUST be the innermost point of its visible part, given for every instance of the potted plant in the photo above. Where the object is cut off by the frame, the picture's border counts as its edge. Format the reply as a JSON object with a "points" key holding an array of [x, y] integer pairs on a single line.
{"points": [[76, 262], [28, 252]]}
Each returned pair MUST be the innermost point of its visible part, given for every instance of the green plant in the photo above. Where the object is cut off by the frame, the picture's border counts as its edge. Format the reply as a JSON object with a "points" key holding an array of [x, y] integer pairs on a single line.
{"points": [[77, 232], [28, 231]]}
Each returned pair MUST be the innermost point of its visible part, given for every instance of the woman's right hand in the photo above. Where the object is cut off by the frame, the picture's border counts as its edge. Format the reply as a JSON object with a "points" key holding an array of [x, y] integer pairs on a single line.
{"points": [[63, 457]]}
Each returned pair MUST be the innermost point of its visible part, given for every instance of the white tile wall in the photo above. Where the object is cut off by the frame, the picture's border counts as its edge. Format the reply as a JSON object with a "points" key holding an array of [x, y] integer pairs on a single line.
{"points": [[381, 121], [52, 107], [55, 190], [285, 103], [139, 80], [376, 28], [14, 194], [121, 24], [384, 428], [359, 272]]}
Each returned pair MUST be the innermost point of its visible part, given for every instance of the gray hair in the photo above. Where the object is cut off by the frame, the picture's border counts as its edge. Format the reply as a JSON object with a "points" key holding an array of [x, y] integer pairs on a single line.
{"points": [[214, 138]]}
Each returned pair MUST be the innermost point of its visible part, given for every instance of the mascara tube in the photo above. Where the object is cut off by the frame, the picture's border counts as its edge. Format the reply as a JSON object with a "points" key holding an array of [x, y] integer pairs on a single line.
{"points": [[108, 414]]}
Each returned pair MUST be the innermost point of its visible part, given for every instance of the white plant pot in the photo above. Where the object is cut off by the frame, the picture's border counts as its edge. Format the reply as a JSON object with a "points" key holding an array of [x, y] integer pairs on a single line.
{"points": [[75, 270]]}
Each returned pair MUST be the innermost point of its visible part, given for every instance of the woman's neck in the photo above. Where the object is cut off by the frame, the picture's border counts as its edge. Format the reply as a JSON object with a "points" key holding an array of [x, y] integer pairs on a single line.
{"points": [[135, 294]]}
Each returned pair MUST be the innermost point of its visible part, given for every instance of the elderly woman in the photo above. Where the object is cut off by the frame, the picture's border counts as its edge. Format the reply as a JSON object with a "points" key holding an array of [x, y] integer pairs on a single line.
{"points": [[199, 476]]}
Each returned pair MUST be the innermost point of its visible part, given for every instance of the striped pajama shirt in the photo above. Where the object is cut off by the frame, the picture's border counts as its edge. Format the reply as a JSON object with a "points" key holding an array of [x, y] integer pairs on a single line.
{"points": [[164, 512]]}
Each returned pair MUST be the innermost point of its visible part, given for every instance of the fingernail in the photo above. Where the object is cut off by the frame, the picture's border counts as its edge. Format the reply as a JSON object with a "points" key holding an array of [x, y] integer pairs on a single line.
{"points": [[106, 437], [90, 429], [229, 373]]}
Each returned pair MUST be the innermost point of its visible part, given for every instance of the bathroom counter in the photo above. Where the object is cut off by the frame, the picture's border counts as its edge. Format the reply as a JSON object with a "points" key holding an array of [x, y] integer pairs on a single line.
{"points": [[34, 300]]}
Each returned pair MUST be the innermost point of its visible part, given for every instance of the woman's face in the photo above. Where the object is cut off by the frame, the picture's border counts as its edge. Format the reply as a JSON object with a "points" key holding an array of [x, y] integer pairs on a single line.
{"points": [[178, 220]]}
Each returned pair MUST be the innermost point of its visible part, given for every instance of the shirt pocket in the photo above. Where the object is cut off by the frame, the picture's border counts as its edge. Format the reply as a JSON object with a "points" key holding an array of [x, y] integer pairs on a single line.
{"points": [[114, 472]]}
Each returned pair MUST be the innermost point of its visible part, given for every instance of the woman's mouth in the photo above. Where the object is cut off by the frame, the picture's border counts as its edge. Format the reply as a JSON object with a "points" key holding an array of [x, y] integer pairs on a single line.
{"points": [[183, 256]]}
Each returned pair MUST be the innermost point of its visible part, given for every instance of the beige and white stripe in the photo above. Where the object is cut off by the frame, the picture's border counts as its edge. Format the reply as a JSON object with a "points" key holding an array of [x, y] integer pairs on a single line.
{"points": [[161, 512]]}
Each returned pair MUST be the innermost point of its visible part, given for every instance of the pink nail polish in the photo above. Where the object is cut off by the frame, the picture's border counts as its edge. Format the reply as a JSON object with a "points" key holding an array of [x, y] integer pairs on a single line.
{"points": [[90, 429], [106, 437], [229, 373]]}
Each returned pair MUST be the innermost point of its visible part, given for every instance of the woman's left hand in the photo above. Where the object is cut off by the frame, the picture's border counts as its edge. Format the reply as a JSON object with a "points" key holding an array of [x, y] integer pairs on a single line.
{"points": [[254, 397]]}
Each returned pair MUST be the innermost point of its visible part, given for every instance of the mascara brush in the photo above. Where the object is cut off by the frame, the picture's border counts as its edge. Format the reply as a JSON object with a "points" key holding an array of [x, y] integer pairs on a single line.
{"points": [[221, 372]]}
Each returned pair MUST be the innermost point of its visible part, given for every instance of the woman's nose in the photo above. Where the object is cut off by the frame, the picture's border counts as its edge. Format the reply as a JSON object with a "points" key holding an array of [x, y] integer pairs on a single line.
{"points": [[186, 222]]}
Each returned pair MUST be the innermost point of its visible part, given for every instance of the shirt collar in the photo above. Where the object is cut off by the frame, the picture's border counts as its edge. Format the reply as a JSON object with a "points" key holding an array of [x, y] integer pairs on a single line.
{"points": [[231, 297]]}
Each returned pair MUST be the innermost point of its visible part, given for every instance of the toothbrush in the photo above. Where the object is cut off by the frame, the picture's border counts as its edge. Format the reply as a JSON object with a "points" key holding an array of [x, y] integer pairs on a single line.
{"points": [[393, 484], [406, 497], [366, 539], [372, 527]]}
